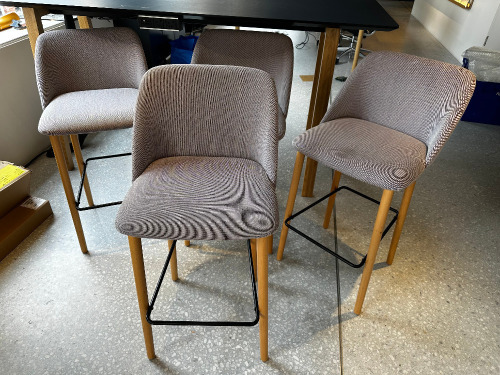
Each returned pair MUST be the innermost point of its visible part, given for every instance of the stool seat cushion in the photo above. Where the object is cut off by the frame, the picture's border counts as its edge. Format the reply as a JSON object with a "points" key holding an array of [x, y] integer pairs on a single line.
{"points": [[369, 152], [200, 198], [89, 111]]}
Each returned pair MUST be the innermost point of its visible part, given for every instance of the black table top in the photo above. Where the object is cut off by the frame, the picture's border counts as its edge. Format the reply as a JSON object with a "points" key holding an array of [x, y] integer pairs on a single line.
{"points": [[312, 15]]}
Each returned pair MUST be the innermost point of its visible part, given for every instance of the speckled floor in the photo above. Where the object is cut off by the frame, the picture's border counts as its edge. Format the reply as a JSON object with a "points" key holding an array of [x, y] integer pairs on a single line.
{"points": [[434, 311]]}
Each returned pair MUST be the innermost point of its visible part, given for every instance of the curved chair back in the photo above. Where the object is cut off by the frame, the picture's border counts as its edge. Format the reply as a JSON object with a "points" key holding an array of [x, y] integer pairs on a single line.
{"points": [[206, 110], [413, 95], [68, 61], [270, 52]]}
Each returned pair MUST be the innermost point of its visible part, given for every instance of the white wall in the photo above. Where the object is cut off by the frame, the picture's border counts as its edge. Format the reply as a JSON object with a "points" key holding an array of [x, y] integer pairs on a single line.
{"points": [[20, 107], [456, 28], [494, 33]]}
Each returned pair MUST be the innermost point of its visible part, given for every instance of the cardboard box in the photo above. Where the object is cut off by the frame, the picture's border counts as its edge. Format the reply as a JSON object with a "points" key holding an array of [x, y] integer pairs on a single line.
{"points": [[20, 222], [14, 186]]}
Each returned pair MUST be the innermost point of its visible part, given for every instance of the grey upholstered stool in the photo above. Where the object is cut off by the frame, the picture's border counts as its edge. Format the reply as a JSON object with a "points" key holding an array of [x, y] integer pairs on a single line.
{"points": [[88, 82], [270, 52], [387, 124], [204, 162]]}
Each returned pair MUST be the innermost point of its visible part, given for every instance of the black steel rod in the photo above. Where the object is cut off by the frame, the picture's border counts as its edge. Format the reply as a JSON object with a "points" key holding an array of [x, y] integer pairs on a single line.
{"points": [[340, 257], [323, 247], [198, 322], [82, 180]]}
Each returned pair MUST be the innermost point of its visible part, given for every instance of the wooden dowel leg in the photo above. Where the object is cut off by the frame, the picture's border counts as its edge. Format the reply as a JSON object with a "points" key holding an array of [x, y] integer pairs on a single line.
{"points": [[314, 91], [253, 248], [262, 254], [142, 292], [321, 97], [173, 261], [187, 243], [331, 200], [403, 210], [358, 48], [68, 191], [297, 170], [67, 152], [79, 161], [378, 228], [34, 26], [84, 22], [270, 245]]}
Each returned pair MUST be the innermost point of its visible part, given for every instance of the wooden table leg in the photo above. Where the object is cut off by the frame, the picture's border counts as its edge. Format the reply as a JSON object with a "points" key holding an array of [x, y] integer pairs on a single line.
{"points": [[325, 65], [33, 19], [85, 22]]}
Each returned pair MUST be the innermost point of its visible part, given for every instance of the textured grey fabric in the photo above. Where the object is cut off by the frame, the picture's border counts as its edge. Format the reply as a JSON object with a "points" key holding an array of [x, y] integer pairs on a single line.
{"points": [[200, 198], [281, 124], [89, 111], [271, 52], [90, 59], [366, 151], [420, 97], [206, 110]]}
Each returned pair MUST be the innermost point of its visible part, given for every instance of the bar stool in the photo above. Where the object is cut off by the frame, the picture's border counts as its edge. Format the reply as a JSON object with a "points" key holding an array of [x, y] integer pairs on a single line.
{"points": [[204, 164], [88, 82], [267, 51], [387, 124], [270, 52]]}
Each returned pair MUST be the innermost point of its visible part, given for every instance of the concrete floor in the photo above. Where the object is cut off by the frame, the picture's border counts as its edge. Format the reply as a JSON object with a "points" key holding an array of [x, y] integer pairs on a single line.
{"points": [[434, 311]]}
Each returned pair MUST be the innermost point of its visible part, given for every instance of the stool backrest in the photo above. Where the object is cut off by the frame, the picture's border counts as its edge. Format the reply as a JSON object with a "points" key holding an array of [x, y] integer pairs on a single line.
{"points": [[270, 52], [416, 96], [89, 59], [206, 110]]}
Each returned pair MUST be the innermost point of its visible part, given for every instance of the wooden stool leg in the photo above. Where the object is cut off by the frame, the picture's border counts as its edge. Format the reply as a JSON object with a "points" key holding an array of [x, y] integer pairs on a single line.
{"points": [[173, 261], [331, 200], [79, 162], [253, 248], [67, 152], [142, 292], [378, 228], [262, 253], [68, 190], [187, 243], [403, 210], [270, 245], [358, 48], [297, 170]]}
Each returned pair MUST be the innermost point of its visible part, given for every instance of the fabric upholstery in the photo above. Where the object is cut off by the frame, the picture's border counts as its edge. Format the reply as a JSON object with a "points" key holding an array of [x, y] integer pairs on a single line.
{"points": [[206, 110], [89, 111], [200, 198], [271, 52], [89, 59], [366, 151], [413, 95]]}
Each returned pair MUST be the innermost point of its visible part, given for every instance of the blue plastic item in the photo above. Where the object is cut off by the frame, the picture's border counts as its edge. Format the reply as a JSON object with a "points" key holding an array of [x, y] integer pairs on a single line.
{"points": [[182, 49], [484, 106]]}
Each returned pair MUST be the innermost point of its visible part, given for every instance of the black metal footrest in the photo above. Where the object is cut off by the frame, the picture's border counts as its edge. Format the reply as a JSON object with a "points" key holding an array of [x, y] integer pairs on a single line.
{"points": [[196, 322], [79, 196], [323, 247]]}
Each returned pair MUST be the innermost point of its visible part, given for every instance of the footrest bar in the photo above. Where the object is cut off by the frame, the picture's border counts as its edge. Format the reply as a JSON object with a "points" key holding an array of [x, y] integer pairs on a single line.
{"points": [[197, 322], [323, 247], [82, 179]]}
